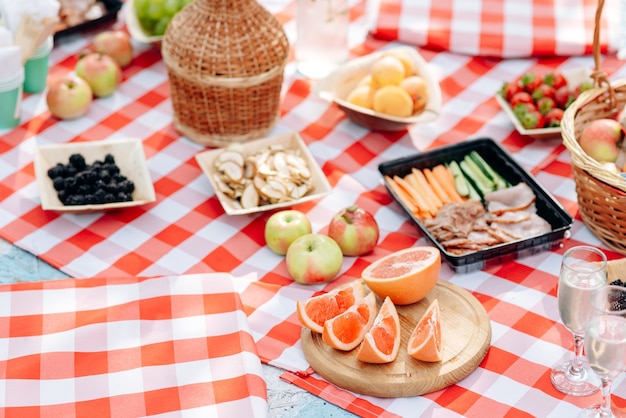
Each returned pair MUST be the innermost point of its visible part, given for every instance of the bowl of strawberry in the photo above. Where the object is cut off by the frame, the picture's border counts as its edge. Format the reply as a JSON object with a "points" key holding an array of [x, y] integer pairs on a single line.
{"points": [[535, 101]]}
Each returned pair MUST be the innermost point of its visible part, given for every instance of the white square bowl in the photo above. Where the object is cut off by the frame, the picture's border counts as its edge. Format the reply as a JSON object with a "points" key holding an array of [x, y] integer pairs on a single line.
{"points": [[129, 157], [321, 187]]}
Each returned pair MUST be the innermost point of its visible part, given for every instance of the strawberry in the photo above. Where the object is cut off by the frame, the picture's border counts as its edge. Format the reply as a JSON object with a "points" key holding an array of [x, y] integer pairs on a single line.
{"points": [[521, 97], [530, 81], [546, 104], [553, 118], [563, 97], [521, 109], [555, 79], [533, 120], [509, 89], [543, 90]]}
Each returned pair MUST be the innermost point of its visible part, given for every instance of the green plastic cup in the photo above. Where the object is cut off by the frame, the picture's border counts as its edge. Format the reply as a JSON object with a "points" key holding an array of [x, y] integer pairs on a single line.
{"points": [[11, 100], [37, 66]]}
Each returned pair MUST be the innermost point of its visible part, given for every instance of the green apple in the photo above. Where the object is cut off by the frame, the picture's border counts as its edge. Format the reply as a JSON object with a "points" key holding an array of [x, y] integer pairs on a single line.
{"points": [[284, 227], [101, 72], [69, 97], [313, 259]]}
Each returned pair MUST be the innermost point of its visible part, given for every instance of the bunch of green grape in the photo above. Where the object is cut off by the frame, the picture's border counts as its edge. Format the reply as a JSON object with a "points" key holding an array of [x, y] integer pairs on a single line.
{"points": [[155, 15]]}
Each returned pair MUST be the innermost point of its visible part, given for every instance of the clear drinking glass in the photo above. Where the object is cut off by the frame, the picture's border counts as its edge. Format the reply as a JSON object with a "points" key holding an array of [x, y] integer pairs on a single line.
{"points": [[322, 43], [605, 344], [583, 270]]}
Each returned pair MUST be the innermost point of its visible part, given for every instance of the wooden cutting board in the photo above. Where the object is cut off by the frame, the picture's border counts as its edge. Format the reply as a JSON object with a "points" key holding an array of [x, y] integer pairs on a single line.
{"points": [[466, 337]]}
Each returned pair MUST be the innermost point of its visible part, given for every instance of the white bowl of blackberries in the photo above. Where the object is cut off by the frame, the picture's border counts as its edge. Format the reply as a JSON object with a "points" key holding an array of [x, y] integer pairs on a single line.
{"points": [[93, 176]]}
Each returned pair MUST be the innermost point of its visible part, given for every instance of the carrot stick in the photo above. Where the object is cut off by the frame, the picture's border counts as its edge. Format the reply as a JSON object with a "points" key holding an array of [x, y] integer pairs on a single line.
{"points": [[446, 180], [432, 201], [437, 188], [404, 196], [417, 197], [427, 187]]}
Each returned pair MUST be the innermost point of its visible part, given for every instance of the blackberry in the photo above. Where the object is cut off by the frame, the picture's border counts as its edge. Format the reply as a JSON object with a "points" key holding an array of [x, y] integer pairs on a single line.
{"points": [[99, 195], [58, 183], [78, 161], [70, 170], [127, 186], [78, 183], [56, 171], [70, 184], [105, 176], [617, 300], [109, 159]]}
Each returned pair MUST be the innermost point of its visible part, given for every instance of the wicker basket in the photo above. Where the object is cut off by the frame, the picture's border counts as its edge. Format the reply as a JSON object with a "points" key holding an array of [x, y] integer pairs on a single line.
{"points": [[601, 193], [225, 61]]}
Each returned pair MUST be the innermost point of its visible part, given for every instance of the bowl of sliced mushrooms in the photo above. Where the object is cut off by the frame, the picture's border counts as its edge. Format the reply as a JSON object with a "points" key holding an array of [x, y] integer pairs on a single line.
{"points": [[263, 174]]}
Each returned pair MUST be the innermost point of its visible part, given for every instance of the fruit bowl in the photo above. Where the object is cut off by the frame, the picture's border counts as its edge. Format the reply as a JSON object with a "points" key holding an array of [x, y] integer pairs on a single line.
{"points": [[208, 162], [129, 157], [337, 86], [574, 78]]}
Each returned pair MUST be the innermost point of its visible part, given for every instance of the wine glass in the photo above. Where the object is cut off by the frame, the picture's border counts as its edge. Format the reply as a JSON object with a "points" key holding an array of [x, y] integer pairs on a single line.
{"points": [[605, 344], [583, 269]]}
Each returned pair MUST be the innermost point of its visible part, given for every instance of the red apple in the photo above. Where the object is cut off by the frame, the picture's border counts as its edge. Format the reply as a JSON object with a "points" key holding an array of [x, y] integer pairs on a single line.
{"points": [[283, 228], [355, 230], [101, 72], [601, 140], [116, 44], [69, 97], [314, 258]]}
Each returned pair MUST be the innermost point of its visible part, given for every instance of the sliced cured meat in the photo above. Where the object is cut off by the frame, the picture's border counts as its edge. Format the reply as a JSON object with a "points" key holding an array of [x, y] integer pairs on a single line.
{"points": [[513, 198]]}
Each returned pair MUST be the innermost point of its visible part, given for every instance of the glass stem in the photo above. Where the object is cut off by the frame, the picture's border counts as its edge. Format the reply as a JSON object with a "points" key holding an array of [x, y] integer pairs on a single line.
{"points": [[605, 403], [577, 364]]}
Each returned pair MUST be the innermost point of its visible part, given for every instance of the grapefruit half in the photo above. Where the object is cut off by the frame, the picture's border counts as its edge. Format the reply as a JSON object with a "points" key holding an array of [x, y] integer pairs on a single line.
{"points": [[405, 276]]}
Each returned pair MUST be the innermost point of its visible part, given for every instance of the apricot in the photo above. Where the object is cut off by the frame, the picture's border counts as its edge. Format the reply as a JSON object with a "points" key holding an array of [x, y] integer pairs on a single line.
{"points": [[388, 70], [394, 101], [362, 96], [417, 89], [406, 60]]}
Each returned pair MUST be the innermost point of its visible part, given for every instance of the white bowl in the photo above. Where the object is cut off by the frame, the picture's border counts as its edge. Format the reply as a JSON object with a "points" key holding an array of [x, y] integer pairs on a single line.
{"points": [[574, 78], [321, 187], [337, 86], [134, 27], [129, 157]]}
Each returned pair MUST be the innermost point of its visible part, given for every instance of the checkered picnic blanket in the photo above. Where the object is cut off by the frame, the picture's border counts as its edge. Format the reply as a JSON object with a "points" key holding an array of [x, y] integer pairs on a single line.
{"points": [[126, 347], [186, 232], [500, 28]]}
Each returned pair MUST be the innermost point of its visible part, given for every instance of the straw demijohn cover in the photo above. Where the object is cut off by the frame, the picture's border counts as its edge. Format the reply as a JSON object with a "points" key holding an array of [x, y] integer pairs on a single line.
{"points": [[225, 61], [601, 193]]}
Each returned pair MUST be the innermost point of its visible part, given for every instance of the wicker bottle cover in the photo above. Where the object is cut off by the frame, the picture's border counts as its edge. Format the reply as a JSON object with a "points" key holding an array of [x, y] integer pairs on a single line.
{"points": [[225, 61]]}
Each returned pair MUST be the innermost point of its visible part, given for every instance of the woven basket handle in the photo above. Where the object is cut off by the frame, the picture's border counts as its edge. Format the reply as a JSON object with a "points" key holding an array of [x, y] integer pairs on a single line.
{"points": [[599, 77]]}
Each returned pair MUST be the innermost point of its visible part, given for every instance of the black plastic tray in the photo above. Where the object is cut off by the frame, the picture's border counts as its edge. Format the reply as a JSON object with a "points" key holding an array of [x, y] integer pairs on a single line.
{"points": [[112, 7], [547, 207]]}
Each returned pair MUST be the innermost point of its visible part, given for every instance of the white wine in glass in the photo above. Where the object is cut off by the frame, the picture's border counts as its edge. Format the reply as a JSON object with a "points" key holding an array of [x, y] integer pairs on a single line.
{"points": [[583, 269], [605, 344]]}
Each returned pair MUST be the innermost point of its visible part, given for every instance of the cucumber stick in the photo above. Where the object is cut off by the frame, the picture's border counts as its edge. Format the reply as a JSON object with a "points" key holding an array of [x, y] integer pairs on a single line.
{"points": [[459, 179], [499, 181], [480, 180]]}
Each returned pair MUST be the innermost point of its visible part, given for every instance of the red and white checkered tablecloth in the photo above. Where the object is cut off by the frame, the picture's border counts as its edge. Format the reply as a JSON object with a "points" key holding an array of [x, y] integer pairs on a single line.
{"points": [[186, 231], [125, 347], [500, 28]]}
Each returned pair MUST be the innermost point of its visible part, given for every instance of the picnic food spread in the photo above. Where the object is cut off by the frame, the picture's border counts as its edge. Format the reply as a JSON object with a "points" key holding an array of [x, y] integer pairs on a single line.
{"points": [[237, 165]]}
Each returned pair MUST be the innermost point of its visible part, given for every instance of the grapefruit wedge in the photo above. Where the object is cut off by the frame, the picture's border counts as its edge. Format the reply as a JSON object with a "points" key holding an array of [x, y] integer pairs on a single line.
{"points": [[405, 276], [316, 310], [346, 331], [425, 341], [381, 343]]}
